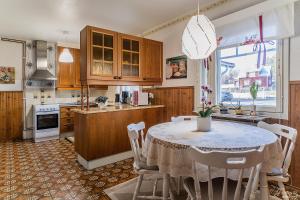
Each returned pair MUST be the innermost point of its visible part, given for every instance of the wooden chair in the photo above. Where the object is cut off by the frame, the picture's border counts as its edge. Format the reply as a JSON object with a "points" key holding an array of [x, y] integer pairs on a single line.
{"points": [[137, 137], [224, 160], [183, 118], [288, 137]]}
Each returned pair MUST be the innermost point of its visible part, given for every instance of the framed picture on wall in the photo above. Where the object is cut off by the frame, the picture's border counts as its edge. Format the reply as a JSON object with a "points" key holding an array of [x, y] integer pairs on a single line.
{"points": [[176, 67], [7, 75]]}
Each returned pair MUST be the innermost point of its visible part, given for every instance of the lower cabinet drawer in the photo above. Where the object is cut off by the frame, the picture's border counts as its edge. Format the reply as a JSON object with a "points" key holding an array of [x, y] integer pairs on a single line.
{"points": [[66, 128], [66, 125]]}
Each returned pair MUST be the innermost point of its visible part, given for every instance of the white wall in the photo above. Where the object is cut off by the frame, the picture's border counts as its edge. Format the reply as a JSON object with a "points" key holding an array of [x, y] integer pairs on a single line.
{"points": [[295, 59], [11, 56]]}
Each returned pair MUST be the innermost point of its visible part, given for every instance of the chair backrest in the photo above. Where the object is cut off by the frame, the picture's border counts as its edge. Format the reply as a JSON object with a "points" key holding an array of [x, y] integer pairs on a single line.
{"points": [[136, 134], [183, 118], [227, 160], [287, 136]]}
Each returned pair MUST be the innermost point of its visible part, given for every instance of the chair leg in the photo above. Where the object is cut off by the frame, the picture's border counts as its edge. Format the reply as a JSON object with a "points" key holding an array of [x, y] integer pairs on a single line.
{"points": [[179, 185], [283, 192], [154, 188], [254, 185], [138, 186]]}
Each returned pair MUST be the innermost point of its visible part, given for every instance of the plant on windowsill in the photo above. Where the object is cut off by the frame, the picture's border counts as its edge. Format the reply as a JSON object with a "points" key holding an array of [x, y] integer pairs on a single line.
{"points": [[204, 119], [253, 92]]}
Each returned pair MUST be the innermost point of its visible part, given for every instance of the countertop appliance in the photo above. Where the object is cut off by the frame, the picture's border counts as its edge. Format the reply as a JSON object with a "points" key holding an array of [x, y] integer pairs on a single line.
{"points": [[45, 122], [140, 98]]}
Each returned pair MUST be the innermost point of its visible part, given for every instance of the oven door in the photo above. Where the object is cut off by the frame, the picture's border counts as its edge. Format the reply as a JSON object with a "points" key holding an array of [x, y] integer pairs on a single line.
{"points": [[47, 120]]}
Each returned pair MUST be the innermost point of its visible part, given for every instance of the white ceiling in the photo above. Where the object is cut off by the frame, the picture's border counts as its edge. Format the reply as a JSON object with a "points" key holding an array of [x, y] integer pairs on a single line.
{"points": [[46, 19]]}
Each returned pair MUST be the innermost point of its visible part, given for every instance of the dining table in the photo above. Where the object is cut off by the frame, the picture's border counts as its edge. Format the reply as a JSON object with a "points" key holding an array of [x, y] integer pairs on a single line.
{"points": [[167, 146]]}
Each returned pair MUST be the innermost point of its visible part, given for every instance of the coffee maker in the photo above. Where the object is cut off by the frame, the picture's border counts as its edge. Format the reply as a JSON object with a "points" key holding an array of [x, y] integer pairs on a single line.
{"points": [[124, 96]]}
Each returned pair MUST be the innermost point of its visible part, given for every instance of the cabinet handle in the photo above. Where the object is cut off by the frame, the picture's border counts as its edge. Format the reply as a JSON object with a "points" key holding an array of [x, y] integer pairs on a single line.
{"points": [[115, 77], [120, 77]]}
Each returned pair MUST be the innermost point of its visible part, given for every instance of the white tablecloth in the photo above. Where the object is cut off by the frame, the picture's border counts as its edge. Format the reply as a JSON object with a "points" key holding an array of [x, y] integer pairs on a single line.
{"points": [[167, 146]]}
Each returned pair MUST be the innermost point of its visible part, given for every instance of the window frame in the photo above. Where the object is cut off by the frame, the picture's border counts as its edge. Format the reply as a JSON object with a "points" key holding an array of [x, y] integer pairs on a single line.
{"points": [[279, 81]]}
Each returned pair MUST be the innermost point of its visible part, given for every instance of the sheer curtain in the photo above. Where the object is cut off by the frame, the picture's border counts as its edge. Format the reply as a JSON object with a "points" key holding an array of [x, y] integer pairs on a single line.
{"points": [[278, 22]]}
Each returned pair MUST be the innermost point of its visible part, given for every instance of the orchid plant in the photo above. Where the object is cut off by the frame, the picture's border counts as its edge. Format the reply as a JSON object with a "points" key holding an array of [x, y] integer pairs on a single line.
{"points": [[207, 107]]}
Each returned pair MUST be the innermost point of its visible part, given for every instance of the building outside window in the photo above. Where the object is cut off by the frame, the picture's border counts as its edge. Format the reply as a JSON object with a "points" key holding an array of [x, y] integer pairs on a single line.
{"points": [[238, 69]]}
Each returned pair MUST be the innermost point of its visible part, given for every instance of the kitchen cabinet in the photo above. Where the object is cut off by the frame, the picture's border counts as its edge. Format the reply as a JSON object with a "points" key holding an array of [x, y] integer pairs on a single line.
{"points": [[68, 73], [130, 57], [11, 115], [111, 58], [153, 61], [67, 119]]}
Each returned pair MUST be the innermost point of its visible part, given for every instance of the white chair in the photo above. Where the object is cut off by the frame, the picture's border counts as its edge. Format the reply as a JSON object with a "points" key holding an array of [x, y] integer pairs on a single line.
{"points": [[224, 160], [183, 118], [137, 137], [288, 137]]}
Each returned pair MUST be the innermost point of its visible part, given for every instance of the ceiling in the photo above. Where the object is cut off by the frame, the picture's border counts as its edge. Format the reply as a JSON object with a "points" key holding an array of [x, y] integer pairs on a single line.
{"points": [[47, 19]]}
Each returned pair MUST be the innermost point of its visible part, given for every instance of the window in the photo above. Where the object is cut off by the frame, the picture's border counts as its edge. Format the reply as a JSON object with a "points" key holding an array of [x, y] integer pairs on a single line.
{"points": [[237, 69]]}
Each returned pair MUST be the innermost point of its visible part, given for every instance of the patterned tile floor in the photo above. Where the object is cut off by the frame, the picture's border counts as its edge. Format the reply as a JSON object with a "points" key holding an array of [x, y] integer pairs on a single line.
{"points": [[49, 170]]}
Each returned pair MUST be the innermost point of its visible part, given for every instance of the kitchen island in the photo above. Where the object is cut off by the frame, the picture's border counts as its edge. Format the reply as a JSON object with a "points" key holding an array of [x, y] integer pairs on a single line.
{"points": [[101, 133]]}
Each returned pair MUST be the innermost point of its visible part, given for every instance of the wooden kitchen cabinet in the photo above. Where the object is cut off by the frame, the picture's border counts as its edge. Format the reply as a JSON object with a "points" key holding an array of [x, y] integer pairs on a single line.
{"points": [[153, 61], [67, 119], [98, 56], [67, 73], [111, 58], [130, 57]]}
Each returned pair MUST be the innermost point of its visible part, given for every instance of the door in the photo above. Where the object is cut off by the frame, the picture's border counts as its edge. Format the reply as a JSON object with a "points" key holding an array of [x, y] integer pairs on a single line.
{"points": [[66, 71], [152, 68], [11, 115], [103, 55], [130, 57]]}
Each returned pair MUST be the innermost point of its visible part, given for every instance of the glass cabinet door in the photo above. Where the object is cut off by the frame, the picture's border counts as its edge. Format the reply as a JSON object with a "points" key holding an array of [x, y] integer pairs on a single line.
{"points": [[102, 54], [130, 58]]}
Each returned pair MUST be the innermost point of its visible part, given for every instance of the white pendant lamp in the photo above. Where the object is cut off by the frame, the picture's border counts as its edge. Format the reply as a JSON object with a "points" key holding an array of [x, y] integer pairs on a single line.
{"points": [[65, 56], [199, 37]]}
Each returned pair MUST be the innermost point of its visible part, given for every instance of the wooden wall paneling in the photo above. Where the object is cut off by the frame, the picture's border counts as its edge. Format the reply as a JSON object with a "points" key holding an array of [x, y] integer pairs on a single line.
{"points": [[294, 118], [3, 112], [11, 115], [177, 100], [17, 115]]}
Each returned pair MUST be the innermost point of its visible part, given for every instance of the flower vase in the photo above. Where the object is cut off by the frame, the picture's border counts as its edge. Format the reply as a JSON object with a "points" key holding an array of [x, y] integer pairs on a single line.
{"points": [[204, 124]]}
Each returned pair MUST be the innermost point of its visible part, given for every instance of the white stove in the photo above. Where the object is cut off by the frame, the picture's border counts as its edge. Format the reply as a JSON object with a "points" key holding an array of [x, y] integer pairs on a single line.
{"points": [[45, 122]]}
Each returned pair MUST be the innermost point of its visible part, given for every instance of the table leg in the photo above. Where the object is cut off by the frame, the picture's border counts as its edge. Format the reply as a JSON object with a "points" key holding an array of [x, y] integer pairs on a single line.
{"points": [[264, 188], [166, 186]]}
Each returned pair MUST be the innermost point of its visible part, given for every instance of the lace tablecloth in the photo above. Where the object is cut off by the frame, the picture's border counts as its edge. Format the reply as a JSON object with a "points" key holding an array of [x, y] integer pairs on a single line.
{"points": [[167, 146]]}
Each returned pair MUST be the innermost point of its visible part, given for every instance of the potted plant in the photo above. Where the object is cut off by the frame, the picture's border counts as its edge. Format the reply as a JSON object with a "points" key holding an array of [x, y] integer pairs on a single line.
{"points": [[253, 92], [204, 119]]}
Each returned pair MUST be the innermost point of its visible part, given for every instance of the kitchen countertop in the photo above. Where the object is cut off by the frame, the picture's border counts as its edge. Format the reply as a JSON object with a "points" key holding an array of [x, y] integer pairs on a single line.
{"points": [[75, 104], [115, 109]]}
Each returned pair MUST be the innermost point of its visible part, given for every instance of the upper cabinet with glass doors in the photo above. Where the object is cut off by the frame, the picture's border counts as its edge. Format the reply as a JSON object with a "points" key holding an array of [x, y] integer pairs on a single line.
{"points": [[111, 58], [130, 57]]}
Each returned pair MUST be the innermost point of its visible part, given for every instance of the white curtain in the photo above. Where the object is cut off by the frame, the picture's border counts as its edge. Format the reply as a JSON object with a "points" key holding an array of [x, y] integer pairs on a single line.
{"points": [[278, 22]]}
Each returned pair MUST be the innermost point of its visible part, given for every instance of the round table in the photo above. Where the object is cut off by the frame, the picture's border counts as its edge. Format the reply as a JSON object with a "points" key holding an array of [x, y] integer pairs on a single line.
{"points": [[167, 145]]}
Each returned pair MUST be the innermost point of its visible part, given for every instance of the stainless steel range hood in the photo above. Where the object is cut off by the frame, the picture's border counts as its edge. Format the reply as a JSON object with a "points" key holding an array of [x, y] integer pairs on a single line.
{"points": [[41, 68]]}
